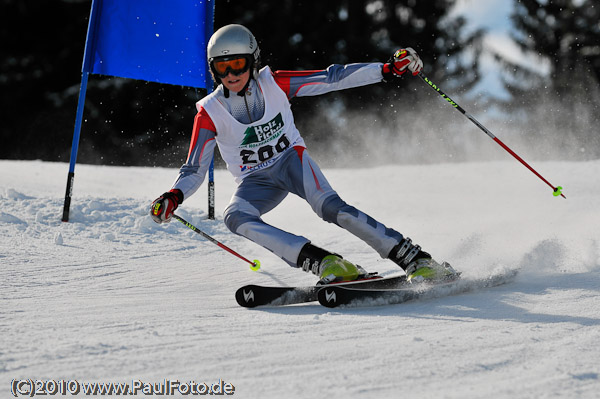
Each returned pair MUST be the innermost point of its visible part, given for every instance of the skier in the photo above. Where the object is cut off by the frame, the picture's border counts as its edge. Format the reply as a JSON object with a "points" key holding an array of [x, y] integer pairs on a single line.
{"points": [[249, 117]]}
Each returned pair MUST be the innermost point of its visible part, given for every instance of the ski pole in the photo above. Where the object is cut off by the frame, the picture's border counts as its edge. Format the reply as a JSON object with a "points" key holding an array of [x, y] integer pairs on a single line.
{"points": [[253, 265], [557, 190]]}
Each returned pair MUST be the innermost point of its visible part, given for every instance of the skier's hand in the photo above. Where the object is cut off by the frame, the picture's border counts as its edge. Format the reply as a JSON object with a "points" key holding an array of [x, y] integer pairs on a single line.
{"points": [[163, 207], [402, 60]]}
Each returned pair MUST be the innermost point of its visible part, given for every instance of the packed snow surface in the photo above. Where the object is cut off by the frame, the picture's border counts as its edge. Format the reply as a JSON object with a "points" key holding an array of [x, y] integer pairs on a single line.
{"points": [[113, 297]]}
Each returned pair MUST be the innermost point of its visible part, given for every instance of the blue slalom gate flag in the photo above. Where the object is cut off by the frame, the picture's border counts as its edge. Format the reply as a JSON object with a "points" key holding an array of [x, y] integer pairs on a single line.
{"points": [[161, 41], [154, 40]]}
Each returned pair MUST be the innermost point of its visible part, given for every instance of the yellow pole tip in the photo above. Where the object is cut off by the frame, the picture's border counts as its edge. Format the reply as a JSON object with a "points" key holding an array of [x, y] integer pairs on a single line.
{"points": [[255, 266]]}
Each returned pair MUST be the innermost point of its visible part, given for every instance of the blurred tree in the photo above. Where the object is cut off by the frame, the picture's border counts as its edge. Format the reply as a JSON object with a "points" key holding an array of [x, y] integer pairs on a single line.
{"points": [[564, 36], [37, 69], [138, 123], [126, 122], [567, 32]]}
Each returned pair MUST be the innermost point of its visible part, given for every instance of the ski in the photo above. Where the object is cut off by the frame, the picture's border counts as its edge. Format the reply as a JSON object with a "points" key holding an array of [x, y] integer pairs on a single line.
{"points": [[250, 296], [334, 296]]}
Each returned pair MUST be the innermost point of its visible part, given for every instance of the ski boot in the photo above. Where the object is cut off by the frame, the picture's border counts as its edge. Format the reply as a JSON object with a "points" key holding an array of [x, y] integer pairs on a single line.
{"points": [[330, 268], [419, 265]]}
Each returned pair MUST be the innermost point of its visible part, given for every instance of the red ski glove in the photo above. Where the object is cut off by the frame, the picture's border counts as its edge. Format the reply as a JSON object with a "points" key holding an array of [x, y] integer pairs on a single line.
{"points": [[402, 60], [163, 207]]}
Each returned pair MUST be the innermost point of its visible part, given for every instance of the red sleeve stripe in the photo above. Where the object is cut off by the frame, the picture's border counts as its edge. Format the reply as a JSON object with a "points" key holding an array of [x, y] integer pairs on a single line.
{"points": [[201, 152], [282, 78], [204, 121], [201, 121], [305, 84]]}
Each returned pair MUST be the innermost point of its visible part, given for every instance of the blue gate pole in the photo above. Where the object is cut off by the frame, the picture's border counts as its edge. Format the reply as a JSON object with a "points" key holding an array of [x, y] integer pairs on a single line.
{"points": [[75, 146], [209, 29], [211, 190], [86, 69]]}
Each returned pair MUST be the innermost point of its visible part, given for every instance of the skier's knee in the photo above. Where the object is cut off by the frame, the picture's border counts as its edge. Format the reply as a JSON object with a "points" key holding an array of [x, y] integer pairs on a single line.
{"points": [[229, 220], [235, 216], [233, 219], [332, 206]]}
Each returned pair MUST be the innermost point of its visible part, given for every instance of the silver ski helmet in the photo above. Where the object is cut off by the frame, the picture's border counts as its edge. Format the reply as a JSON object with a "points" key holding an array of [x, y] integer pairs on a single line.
{"points": [[230, 41]]}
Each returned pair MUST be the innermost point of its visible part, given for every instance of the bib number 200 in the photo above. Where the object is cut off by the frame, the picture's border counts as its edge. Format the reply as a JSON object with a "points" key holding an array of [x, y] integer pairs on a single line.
{"points": [[265, 152]]}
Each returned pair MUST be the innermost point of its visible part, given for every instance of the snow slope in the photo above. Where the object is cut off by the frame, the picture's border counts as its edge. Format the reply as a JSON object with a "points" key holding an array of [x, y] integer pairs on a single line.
{"points": [[113, 297]]}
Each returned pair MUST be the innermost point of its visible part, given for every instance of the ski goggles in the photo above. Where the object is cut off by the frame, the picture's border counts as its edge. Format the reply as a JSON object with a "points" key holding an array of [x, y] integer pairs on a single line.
{"points": [[236, 66]]}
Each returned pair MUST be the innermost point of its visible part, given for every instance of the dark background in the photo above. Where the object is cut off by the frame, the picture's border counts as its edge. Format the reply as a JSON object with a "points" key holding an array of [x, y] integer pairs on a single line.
{"points": [[130, 122]]}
